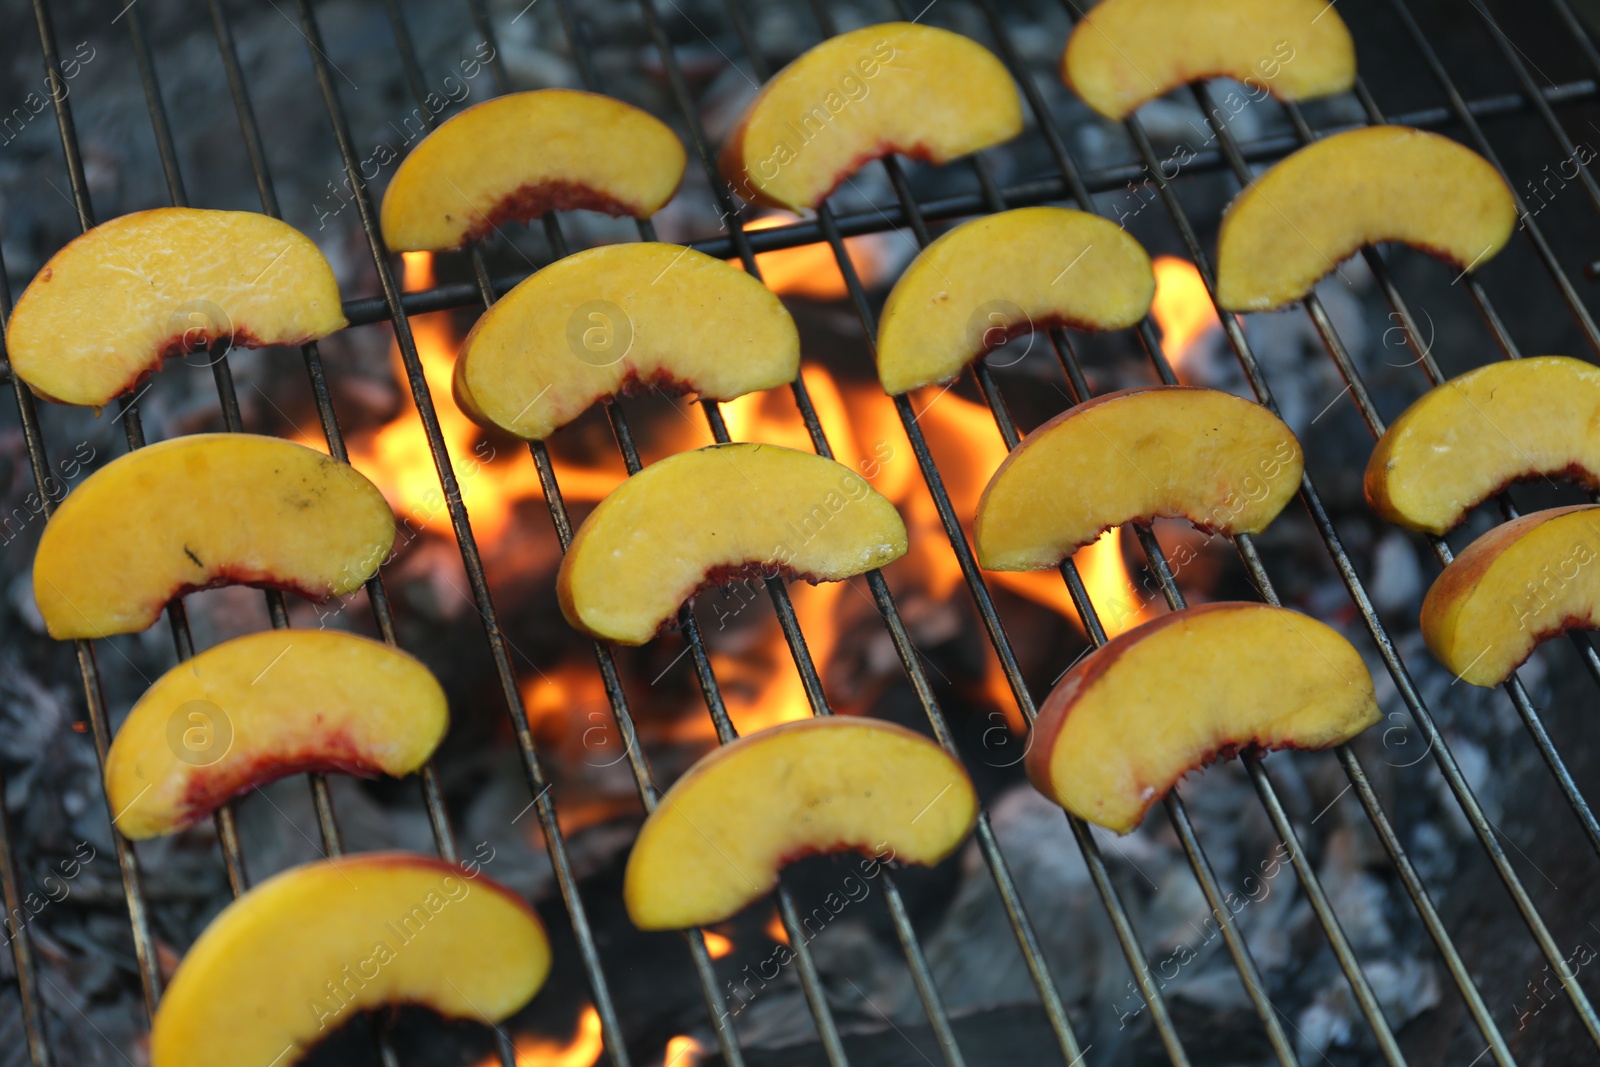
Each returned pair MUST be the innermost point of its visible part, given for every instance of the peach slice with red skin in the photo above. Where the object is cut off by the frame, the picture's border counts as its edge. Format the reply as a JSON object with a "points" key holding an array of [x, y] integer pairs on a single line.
{"points": [[1224, 463], [994, 277], [201, 511], [1298, 221], [1518, 585], [107, 309], [612, 318], [263, 706], [722, 833], [307, 950], [712, 514], [895, 87], [1173, 695], [1127, 52], [1466, 439], [522, 155]]}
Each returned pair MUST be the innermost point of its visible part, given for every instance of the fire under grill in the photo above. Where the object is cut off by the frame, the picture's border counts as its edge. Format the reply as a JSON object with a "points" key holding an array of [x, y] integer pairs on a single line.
{"points": [[678, 40]]}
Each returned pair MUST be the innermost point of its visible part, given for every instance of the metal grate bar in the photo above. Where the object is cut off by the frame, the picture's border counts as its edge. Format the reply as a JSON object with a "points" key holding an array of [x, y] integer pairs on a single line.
{"points": [[470, 558], [1251, 558], [1159, 564], [433, 797], [1481, 825], [1263, 583], [649, 795], [378, 599], [1458, 107], [363, 311], [277, 608], [1514, 688]]}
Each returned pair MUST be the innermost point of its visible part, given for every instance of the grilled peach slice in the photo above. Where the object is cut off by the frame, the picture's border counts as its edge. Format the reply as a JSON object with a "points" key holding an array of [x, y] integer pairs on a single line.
{"points": [[1531, 579], [1002, 275], [1126, 52], [202, 511], [103, 313], [601, 321], [308, 949], [713, 514], [263, 706], [519, 156], [1173, 452], [895, 87], [1175, 694], [1465, 440], [724, 830], [1295, 223]]}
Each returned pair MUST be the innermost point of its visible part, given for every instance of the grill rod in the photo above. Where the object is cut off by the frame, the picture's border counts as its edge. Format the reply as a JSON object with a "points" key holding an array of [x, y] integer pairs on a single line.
{"points": [[649, 794], [1481, 825], [988, 844], [1246, 965], [225, 820], [1480, 822], [1246, 547], [363, 311], [472, 562]]}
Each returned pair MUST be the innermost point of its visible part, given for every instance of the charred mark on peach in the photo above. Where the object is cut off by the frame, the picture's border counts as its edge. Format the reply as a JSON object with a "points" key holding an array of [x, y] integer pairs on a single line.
{"points": [[536, 199]]}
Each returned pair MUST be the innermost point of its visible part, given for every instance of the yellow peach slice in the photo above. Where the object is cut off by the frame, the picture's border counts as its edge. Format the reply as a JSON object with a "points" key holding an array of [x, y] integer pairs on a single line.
{"points": [[1224, 463], [1519, 584], [726, 828], [202, 511], [103, 313], [519, 156], [1465, 440], [895, 87], [1002, 275], [307, 950], [1179, 692], [1295, 223], [599, 322], [1126, 52], [717, 513], [263, 706]]}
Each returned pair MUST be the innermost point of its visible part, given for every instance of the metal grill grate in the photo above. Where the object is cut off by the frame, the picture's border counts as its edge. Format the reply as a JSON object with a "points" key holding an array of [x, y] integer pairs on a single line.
{"points": [[1071, 184]]}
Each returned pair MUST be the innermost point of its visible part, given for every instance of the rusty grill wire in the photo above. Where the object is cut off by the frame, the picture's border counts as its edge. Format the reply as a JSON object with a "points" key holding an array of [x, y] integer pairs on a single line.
{"points": [[1073, 184]]}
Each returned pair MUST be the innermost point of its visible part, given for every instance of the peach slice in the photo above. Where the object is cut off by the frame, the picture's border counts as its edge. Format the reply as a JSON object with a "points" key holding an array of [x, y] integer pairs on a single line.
{"points": [[724, 830], [1517, 585], [1224, 463], [602, 321], [307, 950], [202, 511], [104, 312], [1295, 223], [1126, 52], [894, 87], [263, 706], [519, 156], [1177, 693], [1466, 439], [714, 514], [1002, 275]]}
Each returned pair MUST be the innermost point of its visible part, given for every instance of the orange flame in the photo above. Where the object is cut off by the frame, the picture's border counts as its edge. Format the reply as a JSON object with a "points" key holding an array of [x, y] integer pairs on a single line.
{"points": [[810, 270], [582, 1051], [776, 931], [493, 479], [1182, 309], [681, 1052], [717, 945]]}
